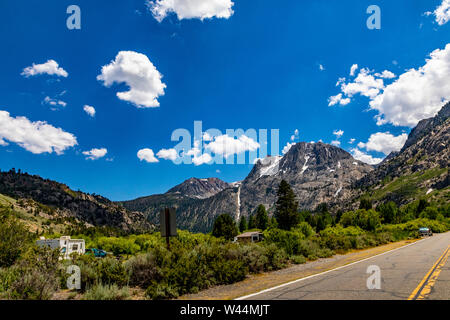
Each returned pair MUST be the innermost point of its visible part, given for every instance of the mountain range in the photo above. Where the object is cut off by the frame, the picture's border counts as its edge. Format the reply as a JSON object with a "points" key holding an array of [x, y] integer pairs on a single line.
{"points": [[42, 203], [318, 173]]}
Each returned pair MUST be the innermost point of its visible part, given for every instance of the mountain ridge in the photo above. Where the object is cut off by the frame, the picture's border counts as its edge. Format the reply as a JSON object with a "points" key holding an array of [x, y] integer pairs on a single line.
{"points": [[61, 202]]}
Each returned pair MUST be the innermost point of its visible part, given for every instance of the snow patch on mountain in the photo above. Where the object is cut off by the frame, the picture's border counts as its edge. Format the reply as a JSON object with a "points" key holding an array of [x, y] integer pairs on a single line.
{"points": [[307, 157], [270, 166]]}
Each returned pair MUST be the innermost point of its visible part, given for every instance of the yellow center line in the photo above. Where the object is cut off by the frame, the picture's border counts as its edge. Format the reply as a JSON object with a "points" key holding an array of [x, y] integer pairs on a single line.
{"points": [[424, 287]]}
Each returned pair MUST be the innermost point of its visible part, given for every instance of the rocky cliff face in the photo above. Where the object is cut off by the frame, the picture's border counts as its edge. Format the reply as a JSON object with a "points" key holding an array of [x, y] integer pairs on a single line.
{"points": [[418, 169], [200, 188], [317, 173], [91, 210], [198, 202]]}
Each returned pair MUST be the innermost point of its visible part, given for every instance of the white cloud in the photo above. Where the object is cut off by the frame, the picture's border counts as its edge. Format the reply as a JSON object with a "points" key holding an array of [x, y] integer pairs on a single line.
{"points": [[417, 94], [95, 154], [321, 67], [89, 110], [336, 143], [139, 73], [207, 137], [227, 146], [386, 74], [168, 154], [338, 99], [54, 102], [344, 102], [353, 70], [147, 155], [287, 147], [37, 137], [384, 142], [51, 67], [338, 133], [191, 9], [198, 158], [352, 140], [364, 157], [442, 12], [295, 135], [364, 84]]}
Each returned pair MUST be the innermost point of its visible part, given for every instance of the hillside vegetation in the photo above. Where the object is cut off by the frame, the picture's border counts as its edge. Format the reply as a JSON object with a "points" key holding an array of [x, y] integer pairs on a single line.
{"points": [[141, 265]]}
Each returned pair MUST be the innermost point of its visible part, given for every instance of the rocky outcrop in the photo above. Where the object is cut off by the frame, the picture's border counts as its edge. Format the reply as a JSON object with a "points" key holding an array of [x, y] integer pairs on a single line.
{"points": [[200, 188], [317, 172], [92, 210], [423, 162]]}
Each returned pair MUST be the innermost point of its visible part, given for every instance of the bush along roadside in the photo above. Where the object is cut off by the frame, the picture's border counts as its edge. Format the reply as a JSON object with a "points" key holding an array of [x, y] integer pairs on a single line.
{"points": [[197, 261]]}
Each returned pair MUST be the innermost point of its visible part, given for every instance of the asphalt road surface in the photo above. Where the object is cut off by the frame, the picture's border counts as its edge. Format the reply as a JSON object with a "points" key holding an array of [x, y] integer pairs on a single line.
{"points": [[419, 271]]}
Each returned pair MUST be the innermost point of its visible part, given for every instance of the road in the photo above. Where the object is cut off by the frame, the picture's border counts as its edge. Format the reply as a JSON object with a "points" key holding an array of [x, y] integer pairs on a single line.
{"points": [[419, 271]]}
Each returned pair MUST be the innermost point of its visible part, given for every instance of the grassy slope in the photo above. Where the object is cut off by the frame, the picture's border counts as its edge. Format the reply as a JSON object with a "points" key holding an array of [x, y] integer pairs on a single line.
{"points": [[35, 222], [411, 187]]}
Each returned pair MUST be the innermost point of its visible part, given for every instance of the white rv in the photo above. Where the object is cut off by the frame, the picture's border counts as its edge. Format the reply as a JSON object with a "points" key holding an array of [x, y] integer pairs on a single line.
{"points": [[66, 245]]}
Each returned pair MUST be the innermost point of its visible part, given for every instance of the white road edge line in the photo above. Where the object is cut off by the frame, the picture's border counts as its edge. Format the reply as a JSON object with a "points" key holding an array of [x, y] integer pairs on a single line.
{"points": [[322, 273]]}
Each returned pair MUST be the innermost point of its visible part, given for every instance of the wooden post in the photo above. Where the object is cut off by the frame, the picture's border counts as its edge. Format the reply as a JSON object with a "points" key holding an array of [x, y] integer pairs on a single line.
{"points": [[167, 214]]}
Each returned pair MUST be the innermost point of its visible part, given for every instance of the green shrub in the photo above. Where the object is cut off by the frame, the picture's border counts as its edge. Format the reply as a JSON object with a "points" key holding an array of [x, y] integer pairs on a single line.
{"points": [[159, 291], [308, 248], [95, 271], [325, 253], [112, 271], [305, 229], [287, 240], [312, 257], [365, 219], [14, 238], [298, 259], [255, 258], [34, 276], [143, 270], [118, 246], [107, 292], [410, 229], [276, 256]]}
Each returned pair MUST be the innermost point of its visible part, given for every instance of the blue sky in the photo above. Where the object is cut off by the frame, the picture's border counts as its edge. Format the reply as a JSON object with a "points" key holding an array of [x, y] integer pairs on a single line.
{"points": [[266, 66]]}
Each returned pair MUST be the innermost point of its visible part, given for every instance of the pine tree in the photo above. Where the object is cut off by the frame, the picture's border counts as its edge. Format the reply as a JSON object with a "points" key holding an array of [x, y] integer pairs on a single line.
{"points": [[365, 204], [251, 222], [261, 218], [286, 207], [243, 224], [225, 227], [273, 223]]}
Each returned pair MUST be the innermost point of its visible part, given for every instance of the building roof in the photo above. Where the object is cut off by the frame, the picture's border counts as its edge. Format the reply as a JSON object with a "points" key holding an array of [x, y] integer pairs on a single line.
{"points": [[249, 234]]}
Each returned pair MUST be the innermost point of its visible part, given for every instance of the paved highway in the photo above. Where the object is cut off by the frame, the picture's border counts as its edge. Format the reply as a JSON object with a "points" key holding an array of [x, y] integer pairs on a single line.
{"points": [[419, 271]]}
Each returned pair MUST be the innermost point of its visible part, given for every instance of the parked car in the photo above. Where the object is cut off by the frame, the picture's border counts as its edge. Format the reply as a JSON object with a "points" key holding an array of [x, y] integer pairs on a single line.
{"points": [[98, 253], [425, 232]]}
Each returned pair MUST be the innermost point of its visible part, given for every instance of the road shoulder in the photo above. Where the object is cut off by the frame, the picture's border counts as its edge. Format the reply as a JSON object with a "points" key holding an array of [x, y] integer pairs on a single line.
{"points": [[259, 282]]}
